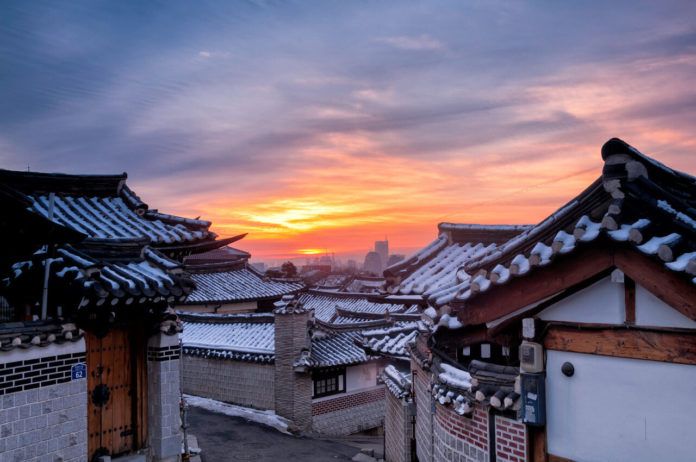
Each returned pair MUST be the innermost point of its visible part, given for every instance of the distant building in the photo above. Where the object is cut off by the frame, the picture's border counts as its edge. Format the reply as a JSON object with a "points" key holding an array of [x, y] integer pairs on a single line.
{"points": [[373, 263], [382, 248], [394, 259], [259, 266]]}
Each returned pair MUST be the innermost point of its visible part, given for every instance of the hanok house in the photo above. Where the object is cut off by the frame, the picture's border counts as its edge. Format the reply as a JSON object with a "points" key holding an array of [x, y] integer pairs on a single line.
{"points": [[89, 351], [587, 326], [306, 360], [419, 278], [227, 283]]}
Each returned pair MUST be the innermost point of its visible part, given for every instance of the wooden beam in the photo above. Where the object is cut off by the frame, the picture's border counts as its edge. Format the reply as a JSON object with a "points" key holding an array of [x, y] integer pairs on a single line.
{"points": [[630, 300], [670, 287], [672, 347], [537, 444], [564, 273], [553, 458]]}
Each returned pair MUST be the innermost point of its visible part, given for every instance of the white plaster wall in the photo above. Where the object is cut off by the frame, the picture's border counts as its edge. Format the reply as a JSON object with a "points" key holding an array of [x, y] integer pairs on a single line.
{"points": [[616, 409], [651, 311], [602, 302], [361, 376]]}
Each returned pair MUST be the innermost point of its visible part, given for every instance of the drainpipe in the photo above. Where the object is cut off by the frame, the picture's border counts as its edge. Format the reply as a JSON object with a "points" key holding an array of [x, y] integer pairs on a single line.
{"points": [[184, 406], [47, 262]]}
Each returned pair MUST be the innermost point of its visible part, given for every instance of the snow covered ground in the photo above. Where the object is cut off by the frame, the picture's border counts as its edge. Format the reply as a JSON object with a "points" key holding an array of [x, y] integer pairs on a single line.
{"points": [[268, 418]]}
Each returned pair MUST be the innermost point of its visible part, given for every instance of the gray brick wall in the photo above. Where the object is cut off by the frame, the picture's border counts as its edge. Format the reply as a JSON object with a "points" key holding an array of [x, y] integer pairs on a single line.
{"points": [[164, 395], [398, 430], [244, 383], [293, 391], [46, 424]]}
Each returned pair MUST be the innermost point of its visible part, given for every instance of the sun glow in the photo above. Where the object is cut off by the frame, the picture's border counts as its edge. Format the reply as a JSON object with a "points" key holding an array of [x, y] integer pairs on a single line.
{"points": [[311, 251]]}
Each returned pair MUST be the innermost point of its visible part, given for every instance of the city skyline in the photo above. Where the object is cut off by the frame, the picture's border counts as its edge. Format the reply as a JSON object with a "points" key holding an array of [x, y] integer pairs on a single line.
{"points": [[320, 125]]}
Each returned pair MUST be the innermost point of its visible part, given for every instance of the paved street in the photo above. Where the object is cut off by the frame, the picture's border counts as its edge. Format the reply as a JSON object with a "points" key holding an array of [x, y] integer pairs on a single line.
{"points": [[223, 438]]}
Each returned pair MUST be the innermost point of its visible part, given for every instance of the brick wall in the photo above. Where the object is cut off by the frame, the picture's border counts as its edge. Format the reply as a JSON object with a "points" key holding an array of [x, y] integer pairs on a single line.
{"points": [[164, 396], [510, 440], [460, 438], [398, 430], [244, 383], [43, 417], [349, 413], [423, 399]]}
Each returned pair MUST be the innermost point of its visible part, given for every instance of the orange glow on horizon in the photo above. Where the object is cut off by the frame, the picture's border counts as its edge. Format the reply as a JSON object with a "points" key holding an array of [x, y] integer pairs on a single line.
{"points": [[343, 191]]}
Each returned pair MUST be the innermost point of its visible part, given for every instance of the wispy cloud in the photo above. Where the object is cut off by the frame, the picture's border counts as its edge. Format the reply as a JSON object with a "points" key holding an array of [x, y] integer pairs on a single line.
{"points": [[327, 125], [416, 43]]}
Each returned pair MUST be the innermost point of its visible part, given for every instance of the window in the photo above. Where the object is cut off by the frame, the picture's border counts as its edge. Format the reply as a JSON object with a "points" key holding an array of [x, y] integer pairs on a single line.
{"points": [[329, 382]]}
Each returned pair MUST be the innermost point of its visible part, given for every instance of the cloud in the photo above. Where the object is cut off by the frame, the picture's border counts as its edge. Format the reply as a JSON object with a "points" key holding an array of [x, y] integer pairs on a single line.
{"points": [[312, 122], [414, 43]]}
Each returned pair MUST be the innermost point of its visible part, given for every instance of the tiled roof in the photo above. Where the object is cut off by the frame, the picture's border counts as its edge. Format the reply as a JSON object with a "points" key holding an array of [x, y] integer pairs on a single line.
{"points": [[333, 282], [398, 383], [336, 350], [637, 202], [364, 285], [103, 208], [325, 306], [139, 274], [435, 266], [481, 382], [241, 337], [236, 283], [221, 255], [391, 342], [36, 333]]}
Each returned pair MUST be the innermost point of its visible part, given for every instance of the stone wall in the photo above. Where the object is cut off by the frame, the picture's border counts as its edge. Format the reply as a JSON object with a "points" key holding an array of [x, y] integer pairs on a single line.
{"points": [[43, 413], [460, 438], [245, 383], [164, 396], [398, 430], [424, 419], [349, 413]]}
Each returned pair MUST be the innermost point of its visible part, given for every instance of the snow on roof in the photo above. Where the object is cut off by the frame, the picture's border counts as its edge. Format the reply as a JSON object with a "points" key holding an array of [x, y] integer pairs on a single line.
{"points": [[103, 208], [241, 337], [635, 202], [390, 342], [325, 306], [482, 382], [336, 350], [145, 275], [364, 285], [440, 270], [398, 383], [237, 284], [111, 218]]}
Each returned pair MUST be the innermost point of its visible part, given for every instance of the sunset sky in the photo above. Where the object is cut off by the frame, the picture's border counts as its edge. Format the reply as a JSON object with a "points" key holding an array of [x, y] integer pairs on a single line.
{"points": [[329, 125]]}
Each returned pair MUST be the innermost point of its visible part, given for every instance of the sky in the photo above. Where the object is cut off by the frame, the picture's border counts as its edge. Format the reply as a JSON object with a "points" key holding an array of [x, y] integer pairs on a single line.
{"points": [[323, 126]]}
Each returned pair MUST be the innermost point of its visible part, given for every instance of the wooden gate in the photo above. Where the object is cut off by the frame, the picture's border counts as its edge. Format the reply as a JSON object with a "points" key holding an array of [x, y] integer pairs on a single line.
{"points": [[116, 383]]}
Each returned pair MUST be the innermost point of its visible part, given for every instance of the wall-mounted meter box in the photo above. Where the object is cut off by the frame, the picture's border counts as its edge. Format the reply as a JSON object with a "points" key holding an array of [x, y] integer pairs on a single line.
{"points": [[533, 399], [531, 357]]}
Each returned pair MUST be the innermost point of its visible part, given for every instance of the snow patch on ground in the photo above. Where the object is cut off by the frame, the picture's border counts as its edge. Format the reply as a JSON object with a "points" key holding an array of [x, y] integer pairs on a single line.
{"points": [[268, 418]]}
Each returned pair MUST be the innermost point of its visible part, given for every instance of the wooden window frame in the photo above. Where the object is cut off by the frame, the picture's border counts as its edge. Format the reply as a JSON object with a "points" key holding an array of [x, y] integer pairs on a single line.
{"points": [[334, 381]]}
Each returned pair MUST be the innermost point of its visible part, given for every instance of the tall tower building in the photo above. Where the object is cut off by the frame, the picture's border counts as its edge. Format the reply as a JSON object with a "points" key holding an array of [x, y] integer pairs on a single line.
{"points": [[382, 248]]}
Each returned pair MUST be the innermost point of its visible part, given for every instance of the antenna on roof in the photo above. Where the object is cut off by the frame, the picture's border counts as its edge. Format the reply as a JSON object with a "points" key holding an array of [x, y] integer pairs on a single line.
{"points": [[28, 169]]}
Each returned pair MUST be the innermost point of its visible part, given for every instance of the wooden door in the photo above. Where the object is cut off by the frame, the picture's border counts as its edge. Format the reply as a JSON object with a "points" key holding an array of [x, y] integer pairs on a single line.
{"points": [[112, 393]]}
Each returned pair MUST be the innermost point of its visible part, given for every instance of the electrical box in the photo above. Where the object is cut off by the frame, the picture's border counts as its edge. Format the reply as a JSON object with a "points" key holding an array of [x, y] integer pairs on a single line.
{"points": [[531, 357], [533, 399]]}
